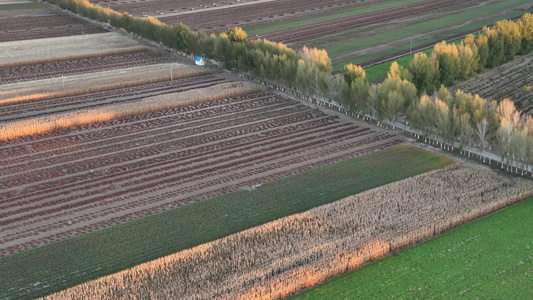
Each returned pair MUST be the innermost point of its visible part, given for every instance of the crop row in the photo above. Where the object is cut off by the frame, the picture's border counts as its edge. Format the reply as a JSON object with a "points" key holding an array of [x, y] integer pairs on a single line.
{"points": [[91, 100], [260, 13], [334, 26], [80, 66], [102, 179]]}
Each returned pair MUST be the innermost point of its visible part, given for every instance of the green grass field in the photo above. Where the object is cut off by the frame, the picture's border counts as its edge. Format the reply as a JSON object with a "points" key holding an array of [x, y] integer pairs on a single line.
{"points": [[299, 22], [60, 265], [425, 27], [491, 258]]}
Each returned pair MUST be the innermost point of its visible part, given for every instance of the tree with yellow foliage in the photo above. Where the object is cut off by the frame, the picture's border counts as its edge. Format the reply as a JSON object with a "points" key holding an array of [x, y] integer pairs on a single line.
{"points": [[424, 73], [446, 57], [525, 24]]}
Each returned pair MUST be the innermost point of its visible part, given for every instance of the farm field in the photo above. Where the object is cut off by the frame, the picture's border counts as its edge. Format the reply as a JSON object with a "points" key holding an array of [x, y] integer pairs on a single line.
{"points": [[304, 21], [513, 80], [91, 177], [328, 28], [25, 21], [103, 252], [278, 258], [489, 258], [351, 31], [252, 13], [32, 109], [423, 32], [87, 64], [50, 48], [71, 85], [123, 153]]}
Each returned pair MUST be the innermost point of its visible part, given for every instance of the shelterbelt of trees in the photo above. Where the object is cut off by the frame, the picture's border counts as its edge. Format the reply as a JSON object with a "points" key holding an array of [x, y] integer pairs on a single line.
{"points": [[461, 117]]}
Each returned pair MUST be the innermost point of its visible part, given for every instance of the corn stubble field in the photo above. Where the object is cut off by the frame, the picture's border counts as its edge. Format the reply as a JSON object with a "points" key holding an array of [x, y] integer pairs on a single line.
{"points": [[276, 259]]}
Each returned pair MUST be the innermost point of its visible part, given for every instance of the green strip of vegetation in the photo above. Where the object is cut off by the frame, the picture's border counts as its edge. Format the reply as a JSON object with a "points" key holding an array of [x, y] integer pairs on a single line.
{"points": [[64, 264], [491, 258], [16, 6], [299, 22], [424, 27]]}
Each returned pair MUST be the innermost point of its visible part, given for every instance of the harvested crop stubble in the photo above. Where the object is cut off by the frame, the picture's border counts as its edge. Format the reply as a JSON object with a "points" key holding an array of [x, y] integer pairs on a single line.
{"points": [[94, 82], [146, 105], [281, 257]]}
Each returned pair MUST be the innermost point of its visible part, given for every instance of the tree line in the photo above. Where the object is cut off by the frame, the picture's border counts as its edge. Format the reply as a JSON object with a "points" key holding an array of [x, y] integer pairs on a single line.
{"points": [[418, 92], [306, 69]]}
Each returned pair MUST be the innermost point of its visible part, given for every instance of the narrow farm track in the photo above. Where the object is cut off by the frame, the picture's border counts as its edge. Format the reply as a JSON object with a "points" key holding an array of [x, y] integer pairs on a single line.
{"points": [[73, 181], [329, 27], [80, 66], [20, 111]]}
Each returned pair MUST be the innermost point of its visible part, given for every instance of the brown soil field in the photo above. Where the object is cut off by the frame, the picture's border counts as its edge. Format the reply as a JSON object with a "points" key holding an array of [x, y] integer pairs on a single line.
{"points": [[279, 258]]}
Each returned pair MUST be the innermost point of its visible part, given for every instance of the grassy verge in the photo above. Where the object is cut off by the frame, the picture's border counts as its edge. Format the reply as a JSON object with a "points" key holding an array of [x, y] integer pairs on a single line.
{"points": [[428, 26], [487, 259], [268, 28], [64, 264]]}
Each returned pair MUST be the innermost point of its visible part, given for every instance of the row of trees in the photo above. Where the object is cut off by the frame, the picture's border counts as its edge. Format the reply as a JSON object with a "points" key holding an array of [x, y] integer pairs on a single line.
{"points": [[405, 92], [308, 69], [461, 117], [493, 47], [474, 121]]}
